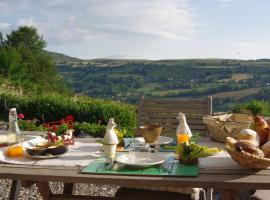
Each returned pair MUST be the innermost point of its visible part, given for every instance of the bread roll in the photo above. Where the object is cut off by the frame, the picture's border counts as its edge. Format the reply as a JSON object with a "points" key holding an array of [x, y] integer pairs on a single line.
{"points": [[248, 146], [250, 135], [262, 129], [266, 149]]}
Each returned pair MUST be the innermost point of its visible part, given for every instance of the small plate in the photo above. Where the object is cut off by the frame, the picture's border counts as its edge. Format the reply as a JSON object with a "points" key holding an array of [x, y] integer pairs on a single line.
{"points": [[40, 157], [161, 140], [141, 160]]}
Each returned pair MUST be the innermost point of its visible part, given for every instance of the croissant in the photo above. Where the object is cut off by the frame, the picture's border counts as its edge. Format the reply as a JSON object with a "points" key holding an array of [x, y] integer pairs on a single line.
{"points": [[262, 129]]}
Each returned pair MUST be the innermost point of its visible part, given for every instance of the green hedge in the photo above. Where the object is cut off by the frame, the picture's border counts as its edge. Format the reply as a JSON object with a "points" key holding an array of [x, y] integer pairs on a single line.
{"points": [[54, 107], [94, 130]]}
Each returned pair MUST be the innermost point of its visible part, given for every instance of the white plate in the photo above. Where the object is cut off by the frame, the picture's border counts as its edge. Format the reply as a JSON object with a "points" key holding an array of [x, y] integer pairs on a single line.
{"points": [[161, 140], [142, 159]]}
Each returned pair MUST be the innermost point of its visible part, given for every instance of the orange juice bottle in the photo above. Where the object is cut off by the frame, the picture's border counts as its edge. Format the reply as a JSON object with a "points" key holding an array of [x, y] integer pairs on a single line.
{"points": [[183, 132], [182, 138]]}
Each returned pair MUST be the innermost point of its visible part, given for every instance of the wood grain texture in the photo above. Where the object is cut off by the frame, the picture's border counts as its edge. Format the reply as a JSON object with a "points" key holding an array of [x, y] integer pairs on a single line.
{"points": [[165, 111], [44, 189]]}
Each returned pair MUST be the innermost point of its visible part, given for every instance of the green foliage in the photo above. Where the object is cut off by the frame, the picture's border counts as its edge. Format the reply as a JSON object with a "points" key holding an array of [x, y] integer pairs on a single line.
{"points": [[24, 62], [30, 125], [49, 108], [92, 129], [254, 107]]}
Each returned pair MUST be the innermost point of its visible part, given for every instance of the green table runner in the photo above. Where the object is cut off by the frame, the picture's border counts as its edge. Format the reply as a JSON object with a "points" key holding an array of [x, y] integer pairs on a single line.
{"points": [[98, 167]]}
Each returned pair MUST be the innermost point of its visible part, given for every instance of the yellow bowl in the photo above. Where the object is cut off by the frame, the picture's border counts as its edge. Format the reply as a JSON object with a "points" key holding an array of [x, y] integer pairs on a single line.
{"points": [[150, 132]]}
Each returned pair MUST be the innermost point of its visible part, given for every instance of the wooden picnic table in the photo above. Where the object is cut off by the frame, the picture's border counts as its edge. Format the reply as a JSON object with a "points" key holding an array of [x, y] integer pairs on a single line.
{"points": [[228, 179]]}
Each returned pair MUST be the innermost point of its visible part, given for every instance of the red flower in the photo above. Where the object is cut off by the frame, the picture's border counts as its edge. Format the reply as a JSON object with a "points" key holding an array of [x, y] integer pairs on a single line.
{"points": [[20, 116], [69, 118], [46, 126]]}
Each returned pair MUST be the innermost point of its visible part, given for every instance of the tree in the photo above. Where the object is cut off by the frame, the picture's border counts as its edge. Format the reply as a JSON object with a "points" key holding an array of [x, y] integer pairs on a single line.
{"points": [[36, 70]]}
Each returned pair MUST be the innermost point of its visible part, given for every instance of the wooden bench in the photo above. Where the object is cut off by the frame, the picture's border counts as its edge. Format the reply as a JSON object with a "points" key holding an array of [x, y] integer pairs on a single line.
{"points": [[165, 111]]}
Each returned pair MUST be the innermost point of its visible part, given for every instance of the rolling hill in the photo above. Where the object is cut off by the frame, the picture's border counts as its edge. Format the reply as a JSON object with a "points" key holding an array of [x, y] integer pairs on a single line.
{"points": [[228, 81]]}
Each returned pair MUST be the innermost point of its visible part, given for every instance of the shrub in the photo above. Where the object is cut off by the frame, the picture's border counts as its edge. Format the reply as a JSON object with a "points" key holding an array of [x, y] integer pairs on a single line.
{"points": [[50, 108], [94, 130], [254, 107]]}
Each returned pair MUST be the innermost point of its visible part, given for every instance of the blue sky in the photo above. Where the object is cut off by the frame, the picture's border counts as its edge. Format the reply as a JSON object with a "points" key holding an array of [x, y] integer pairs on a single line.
{"points": [[146, 29]]}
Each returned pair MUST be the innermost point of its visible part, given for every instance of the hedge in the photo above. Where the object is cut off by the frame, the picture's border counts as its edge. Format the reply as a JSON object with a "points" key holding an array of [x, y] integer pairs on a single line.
{"points": [[48, 108]]}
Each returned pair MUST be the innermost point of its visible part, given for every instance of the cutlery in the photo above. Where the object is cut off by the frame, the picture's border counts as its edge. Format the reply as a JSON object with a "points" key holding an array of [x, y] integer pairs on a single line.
{"points": [[168, 164]]}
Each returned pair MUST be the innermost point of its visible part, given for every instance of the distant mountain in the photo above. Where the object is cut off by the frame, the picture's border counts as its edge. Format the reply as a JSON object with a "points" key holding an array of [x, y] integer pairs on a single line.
{"points": [[62, 58]]}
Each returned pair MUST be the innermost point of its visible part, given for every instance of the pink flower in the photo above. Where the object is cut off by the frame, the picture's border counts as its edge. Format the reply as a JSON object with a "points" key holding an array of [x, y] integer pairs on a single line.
{"points": [[20, 116]]}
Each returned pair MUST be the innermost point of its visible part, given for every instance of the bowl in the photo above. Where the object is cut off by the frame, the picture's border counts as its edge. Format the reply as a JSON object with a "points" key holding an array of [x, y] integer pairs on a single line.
{"points": [[57, 149], [150, 132], [34, 151]]}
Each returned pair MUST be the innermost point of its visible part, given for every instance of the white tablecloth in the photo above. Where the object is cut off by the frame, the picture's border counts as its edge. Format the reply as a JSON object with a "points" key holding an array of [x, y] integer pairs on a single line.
{"points": [[79, 154]]}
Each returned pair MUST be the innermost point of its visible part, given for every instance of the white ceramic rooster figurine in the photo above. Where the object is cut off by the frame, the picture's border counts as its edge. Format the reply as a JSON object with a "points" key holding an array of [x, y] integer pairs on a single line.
{"points": [[110, 135], [183, 127]]}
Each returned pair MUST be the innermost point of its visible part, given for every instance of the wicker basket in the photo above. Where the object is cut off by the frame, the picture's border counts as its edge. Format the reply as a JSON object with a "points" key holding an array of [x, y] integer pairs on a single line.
{"points": [[246, 159], [227, 125]]}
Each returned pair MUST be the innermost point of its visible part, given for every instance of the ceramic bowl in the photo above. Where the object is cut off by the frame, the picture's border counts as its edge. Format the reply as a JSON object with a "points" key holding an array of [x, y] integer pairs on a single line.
{"points": [[150, 132]]}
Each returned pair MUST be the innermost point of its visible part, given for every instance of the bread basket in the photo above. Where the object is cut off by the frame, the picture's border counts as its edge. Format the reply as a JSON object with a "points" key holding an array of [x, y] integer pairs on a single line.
{"points": [[226, 125], [247, 159]]}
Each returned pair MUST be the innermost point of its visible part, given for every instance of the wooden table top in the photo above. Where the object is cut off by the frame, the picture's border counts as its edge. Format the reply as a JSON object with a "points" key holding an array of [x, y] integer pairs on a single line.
{"points": [[215, 172]]}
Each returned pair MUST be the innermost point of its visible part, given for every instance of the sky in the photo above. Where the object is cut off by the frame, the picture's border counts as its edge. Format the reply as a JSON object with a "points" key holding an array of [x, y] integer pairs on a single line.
{"points": [[146, 29]]}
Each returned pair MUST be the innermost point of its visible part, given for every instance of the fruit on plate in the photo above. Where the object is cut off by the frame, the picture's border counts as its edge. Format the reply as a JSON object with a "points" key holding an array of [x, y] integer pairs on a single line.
{"points": [[36, 151], [14, 151], [58, 149]]}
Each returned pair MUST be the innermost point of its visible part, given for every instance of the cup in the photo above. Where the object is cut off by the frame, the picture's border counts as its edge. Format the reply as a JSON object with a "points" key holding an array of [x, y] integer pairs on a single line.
{"points": [[109, 151], [181, 138]]}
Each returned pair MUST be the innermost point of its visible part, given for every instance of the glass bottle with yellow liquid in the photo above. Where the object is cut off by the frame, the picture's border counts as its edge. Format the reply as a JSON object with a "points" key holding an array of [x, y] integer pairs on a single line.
{"points": [[183, 132], [14, 136]]}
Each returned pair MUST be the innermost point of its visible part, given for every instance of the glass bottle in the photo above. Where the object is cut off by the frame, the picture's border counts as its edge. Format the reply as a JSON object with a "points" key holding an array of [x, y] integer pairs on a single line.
{"points": [[14, 134], [183, 132]]}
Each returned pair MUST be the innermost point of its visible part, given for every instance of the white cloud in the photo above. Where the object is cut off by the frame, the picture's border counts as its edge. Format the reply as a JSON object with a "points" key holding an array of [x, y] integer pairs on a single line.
{"points": [[26, 22], [100, 24], [4, 25], [158, 18], [247, 44]]}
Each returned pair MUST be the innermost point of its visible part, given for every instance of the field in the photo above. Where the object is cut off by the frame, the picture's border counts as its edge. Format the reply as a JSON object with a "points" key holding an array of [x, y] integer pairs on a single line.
{"points": [[228, 81]]}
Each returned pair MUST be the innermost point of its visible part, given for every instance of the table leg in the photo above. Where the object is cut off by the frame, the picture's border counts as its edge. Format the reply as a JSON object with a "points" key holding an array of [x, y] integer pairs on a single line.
{"points": [[69, 188], [229, 194], [15, 190], [44, 190]]}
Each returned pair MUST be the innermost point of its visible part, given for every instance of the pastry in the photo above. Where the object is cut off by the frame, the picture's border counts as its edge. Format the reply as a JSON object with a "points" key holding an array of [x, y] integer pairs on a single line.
{"points": [[250, 135], [266, 149], [262, 129], [249, 147]]}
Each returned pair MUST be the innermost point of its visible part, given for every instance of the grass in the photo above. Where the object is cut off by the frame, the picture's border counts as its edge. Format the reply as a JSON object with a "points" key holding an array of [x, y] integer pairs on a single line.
{"points": [[237, 94]]}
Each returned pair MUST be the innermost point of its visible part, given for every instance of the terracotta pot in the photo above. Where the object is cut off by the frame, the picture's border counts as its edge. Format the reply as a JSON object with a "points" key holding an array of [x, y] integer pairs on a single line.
{"points": [[189, 161]]}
